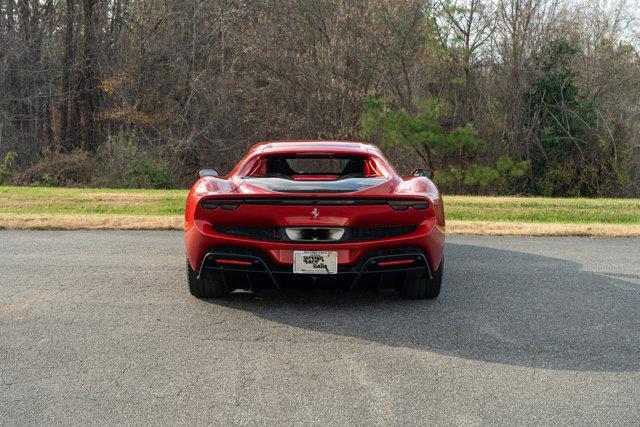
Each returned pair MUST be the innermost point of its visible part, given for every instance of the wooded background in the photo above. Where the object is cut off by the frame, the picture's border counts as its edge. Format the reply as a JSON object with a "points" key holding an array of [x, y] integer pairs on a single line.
{"points": [[499, 96]]}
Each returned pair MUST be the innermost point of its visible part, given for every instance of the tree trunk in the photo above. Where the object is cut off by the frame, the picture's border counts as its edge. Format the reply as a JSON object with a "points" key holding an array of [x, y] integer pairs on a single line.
{"points": [[68, 135], [89, 97]]}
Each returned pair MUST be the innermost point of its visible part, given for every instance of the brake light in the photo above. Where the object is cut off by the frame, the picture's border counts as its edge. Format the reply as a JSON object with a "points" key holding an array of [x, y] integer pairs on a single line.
{"points": [[233, 262], [215, 204], [396, 262], [403, 206]]}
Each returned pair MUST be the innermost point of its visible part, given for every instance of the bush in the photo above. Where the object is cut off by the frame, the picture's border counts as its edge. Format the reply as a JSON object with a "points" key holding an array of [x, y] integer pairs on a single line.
{"points": [[513, 174], [7, 167], [58, 170], [507, 177], [480, 176], [450, 180], [145, 174], [123, 163]]}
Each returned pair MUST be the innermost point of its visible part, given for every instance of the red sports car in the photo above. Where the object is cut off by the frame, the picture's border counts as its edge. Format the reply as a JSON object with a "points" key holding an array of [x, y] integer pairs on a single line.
{"points": [[335, 213]]}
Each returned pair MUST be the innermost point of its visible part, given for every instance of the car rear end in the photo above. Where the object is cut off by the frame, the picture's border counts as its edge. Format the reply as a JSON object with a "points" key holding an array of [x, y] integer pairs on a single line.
{"points": [[329, 236], [335, 212]]}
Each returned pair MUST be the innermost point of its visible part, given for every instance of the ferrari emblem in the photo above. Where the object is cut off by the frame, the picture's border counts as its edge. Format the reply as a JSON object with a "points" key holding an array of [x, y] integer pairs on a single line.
{"points": [[315, 214]]}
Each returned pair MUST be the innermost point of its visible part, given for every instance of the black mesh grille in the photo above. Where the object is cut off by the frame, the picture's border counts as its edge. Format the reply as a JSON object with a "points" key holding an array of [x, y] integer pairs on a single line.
{"points": [[360, 234], [353, 234], [256, 233]]}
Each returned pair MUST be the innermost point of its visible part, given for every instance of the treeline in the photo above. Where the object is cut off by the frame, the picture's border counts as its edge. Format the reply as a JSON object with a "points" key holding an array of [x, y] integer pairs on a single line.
{"points": [[499, 96]]}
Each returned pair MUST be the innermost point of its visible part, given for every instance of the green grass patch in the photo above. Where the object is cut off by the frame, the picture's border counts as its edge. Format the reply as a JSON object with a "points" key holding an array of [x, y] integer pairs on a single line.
{"points": [[80, 201], [542, 210]]}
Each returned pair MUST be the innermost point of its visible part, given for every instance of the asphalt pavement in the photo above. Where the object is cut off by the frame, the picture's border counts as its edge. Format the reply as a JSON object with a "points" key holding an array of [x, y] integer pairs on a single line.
{"points": [[99, 327]]}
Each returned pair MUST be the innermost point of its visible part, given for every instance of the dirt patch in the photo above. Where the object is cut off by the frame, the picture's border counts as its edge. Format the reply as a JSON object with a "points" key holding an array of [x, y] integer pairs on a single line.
{"points": [[542, 229], [90, 222], [72, 201], [10, 308]]}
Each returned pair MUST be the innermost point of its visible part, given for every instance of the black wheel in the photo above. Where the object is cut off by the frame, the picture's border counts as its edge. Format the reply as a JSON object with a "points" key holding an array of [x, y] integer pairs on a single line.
{"points": [[423, 287], [205, 287]]}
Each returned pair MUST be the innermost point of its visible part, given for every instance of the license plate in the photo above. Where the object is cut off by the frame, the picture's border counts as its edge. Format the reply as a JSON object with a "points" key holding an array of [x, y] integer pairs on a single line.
{"points": [[315, 262]]}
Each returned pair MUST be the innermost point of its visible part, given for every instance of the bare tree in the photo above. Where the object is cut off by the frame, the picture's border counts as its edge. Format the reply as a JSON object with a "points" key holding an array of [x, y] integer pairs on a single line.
{"points": [[194, 82]]}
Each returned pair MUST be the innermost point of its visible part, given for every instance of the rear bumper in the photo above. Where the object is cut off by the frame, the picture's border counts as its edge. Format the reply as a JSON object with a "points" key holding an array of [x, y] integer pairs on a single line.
{"points": [[224, 260], [201, 239]]}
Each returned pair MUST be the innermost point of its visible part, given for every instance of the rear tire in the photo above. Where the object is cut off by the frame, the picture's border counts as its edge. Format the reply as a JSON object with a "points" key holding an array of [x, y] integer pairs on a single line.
{"points": [[435, 283], [423, 286], [204, 287]]}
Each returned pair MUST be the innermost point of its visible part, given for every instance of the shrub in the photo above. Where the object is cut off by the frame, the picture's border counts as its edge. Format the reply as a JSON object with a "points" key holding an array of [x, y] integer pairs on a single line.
{"points": [[508, 177], [513, 174], [58, 169], [450, 180], [124, 163], [7, 167], [145, 174], [480, 176]]}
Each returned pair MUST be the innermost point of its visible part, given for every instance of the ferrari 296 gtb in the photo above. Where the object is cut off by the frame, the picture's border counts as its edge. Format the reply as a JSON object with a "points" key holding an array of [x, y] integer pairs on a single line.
{"points": [[334, 213]]}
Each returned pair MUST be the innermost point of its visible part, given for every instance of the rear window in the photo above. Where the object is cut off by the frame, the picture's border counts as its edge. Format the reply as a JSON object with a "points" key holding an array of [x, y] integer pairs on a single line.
{"points": [[298, 167], [319, 165]]}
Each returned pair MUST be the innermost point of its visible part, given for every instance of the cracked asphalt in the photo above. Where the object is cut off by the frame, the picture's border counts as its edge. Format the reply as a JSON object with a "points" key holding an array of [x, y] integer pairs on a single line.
{"points": [[99, 328]]}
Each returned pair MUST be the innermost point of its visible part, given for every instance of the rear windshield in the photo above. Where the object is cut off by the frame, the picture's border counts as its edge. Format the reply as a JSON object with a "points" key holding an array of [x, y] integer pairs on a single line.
{"points": [[315, 173], [318, 165], [311, 167]]}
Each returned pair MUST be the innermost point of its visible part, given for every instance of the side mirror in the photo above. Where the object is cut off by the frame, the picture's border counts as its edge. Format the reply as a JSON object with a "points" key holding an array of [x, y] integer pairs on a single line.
{"points": [[428, 173], [208, 172]]}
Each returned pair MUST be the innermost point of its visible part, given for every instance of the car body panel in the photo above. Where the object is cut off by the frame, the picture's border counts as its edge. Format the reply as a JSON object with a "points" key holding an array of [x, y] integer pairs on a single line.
{"points": [[367, 207]]}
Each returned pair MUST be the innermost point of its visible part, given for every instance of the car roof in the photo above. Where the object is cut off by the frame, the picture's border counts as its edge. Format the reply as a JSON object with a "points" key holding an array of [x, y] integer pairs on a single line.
{"points": [[320, 146]]}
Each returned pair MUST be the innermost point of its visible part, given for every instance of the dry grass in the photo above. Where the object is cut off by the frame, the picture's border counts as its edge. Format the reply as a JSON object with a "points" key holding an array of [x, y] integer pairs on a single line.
{"points": [[89, 222], [491, 228], [101, 222]]}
